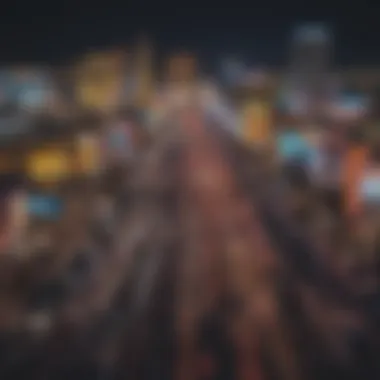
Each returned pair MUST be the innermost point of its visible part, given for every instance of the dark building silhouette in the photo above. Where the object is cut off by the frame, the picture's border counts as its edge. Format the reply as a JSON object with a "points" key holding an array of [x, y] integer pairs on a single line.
{"points": [[309, 70]]}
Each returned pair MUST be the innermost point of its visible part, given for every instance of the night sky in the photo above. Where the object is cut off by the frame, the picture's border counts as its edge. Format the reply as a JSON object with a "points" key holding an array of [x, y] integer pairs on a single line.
{"points": [[55, 32]]}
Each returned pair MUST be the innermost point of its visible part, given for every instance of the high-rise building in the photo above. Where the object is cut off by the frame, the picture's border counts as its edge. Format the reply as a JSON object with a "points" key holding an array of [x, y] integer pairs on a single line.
{"points": [[144, 71], [310, 65], [182, 68], [311, 48]]}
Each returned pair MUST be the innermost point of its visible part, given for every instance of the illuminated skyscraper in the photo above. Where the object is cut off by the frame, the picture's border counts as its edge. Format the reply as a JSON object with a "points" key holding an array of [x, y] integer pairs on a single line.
{"points": [[311, 48], [310, 64], [144, 71]]}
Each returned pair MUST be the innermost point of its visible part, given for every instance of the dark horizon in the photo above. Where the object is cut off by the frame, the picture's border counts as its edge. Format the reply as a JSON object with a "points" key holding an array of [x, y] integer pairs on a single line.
{"points": [[55, 33]]}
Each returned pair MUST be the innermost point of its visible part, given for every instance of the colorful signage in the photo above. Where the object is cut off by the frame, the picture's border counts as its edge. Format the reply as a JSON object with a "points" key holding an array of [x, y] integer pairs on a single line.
{"points": [[46, 207], [32, 90], [102, 96], [49, 165], [370, 187], [349, 107], [257, 123], [353, 167], [292, 146], [99, 84]]}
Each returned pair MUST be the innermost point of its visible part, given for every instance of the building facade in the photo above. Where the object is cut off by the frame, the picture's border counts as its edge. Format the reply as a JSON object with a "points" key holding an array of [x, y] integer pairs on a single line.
{"points": [[308, 76]]}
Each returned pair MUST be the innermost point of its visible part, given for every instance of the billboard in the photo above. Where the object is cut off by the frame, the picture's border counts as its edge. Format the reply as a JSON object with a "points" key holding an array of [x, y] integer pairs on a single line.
{"points": [[257, 122], [49, 165], [31, 89], [370, 187], [47, 207], [99, 81], [35, 89], [291, 145]]}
